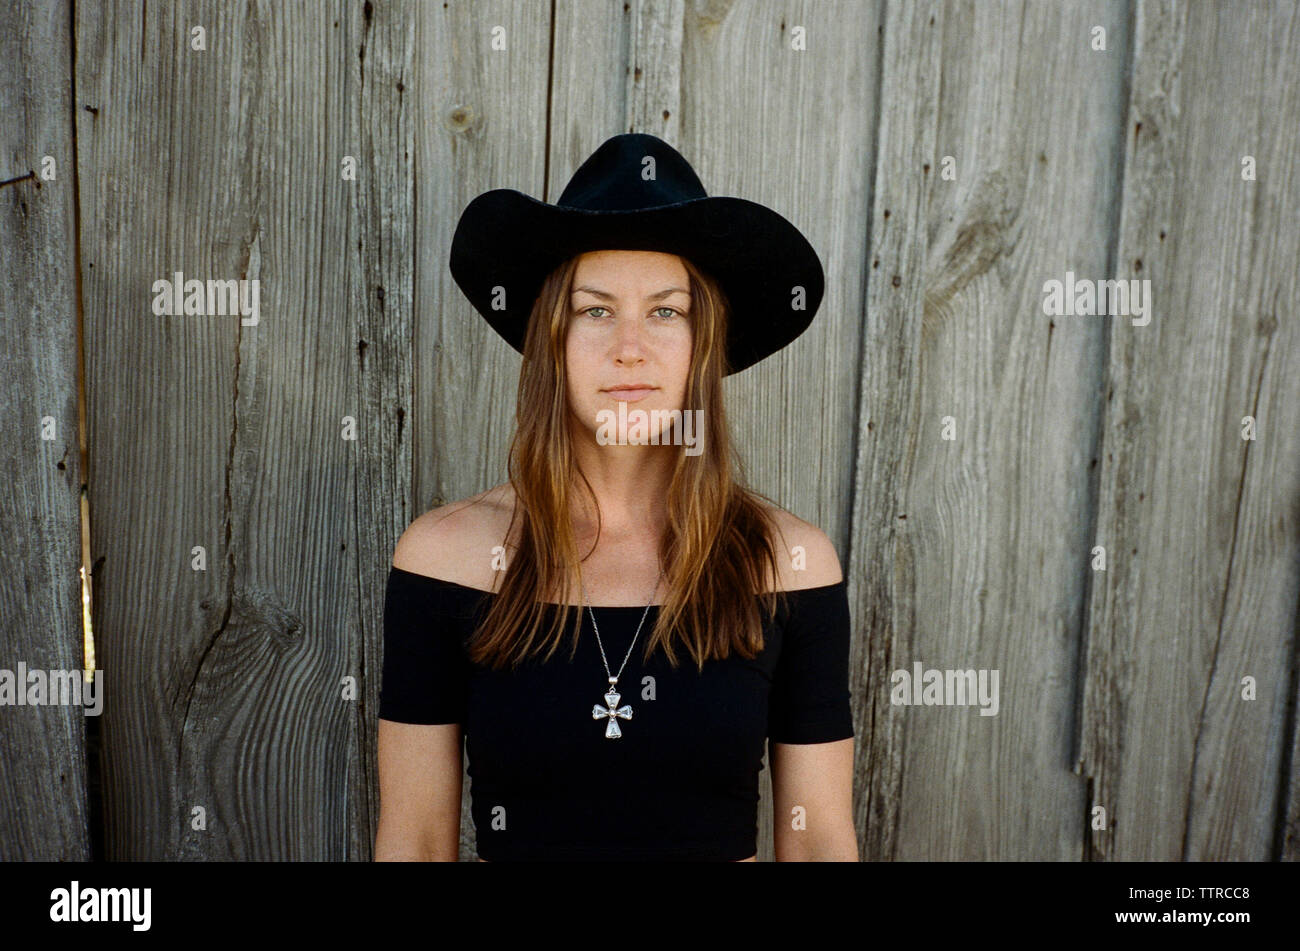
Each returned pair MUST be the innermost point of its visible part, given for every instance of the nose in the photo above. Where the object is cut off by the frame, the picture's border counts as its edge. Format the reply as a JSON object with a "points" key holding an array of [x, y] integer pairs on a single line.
{"points": [[629, 348]]}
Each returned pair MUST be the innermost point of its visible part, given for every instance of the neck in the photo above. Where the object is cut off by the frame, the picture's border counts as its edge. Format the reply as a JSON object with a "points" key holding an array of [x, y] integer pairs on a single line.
{"points": [[630, 484]]}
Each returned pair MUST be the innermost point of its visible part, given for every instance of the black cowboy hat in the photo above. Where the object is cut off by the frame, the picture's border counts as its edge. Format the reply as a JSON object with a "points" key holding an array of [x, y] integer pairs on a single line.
{"points": [[507, 242]]}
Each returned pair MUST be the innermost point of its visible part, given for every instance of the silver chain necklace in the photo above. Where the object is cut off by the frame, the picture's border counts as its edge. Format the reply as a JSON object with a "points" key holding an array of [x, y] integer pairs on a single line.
{"points": [[611, 711]]}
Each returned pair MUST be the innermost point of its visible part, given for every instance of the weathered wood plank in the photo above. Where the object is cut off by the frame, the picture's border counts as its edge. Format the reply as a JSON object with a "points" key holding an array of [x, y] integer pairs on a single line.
{"points": [[1200, 525], [44, 815], [970, 553], [386, 127]]}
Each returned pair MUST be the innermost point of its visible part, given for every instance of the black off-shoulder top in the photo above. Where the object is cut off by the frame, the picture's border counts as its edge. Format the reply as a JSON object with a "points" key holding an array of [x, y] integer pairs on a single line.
{"points": [[679, 784]]}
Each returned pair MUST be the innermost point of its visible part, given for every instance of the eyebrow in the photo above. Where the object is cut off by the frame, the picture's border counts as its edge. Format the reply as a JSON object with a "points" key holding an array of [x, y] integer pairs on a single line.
{"points": [[605, 295]]}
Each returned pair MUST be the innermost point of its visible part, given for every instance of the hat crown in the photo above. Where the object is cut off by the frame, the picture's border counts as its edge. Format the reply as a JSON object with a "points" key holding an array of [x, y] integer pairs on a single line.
{"points": [[632, 172]]}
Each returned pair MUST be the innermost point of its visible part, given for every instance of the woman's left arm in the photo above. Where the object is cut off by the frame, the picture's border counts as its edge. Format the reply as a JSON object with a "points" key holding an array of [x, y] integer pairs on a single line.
{"points": [[812, 783], [812, 801]]}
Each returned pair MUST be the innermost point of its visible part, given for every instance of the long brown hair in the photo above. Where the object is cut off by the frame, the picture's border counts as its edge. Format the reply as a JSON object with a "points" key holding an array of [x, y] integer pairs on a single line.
{"points": [[718, 550]]}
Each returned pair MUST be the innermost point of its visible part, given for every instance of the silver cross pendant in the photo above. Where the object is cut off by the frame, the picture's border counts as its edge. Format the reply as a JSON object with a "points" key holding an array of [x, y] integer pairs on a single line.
{"points": [[613, 711]]}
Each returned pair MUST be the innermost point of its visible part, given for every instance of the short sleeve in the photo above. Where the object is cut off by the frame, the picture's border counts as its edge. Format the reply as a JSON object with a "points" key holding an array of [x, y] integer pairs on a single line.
{"points": [[809, 701], [424, 672]]}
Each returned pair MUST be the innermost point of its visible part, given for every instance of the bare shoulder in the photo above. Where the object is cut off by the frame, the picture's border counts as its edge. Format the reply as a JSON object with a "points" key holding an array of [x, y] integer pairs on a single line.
{"points": [[458, 541], [806, 557]]}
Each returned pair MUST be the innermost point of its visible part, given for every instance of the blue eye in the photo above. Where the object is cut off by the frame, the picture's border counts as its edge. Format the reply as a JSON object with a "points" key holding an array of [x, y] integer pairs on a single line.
{"points": [[590, 309], [672, 312]]}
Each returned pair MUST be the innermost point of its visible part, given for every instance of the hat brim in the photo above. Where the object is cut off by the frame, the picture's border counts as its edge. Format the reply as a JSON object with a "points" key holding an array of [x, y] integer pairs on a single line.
{"points": [[507, 242]]}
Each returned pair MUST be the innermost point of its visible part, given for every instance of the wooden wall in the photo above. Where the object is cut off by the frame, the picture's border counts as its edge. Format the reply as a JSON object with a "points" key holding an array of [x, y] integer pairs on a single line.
{"points": [[965, 451]]}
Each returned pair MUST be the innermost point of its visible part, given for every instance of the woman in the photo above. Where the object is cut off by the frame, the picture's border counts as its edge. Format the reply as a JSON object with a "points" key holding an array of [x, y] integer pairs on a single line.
{"points": [[604, 526]]}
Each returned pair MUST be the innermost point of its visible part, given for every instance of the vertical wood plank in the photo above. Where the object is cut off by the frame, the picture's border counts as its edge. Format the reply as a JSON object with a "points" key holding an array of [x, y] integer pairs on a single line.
{"points": [[1200, 525], [970, 553], [43, 805], [592, 81], [653, 75], [373, 55]]}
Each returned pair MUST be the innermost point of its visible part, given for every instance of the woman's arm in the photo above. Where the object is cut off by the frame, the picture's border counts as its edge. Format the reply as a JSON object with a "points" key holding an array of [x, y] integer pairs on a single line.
{"points": [[419, 792], [812, 783], [812, 801], [420, 764]]}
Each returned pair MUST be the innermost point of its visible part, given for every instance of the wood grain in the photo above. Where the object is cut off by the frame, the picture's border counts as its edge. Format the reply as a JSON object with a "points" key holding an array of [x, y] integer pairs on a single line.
{"points": [[44, 812]]}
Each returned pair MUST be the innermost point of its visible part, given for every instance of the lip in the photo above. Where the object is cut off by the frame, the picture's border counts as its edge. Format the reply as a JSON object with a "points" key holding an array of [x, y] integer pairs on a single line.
{"points": [[630, 393]]}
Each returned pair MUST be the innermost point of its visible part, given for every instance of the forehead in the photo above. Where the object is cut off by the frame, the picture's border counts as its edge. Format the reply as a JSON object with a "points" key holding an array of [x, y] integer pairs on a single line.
{"points": [[630, 271]]}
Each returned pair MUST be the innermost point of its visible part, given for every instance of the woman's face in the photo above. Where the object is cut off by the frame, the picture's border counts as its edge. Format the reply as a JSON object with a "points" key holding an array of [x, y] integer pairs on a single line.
{"points": [[630, 325]]}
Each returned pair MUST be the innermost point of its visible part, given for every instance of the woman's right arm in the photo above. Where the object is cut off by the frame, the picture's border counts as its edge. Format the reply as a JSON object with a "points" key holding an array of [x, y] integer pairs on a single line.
{"points": [[419, 792], [420, 763]]}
